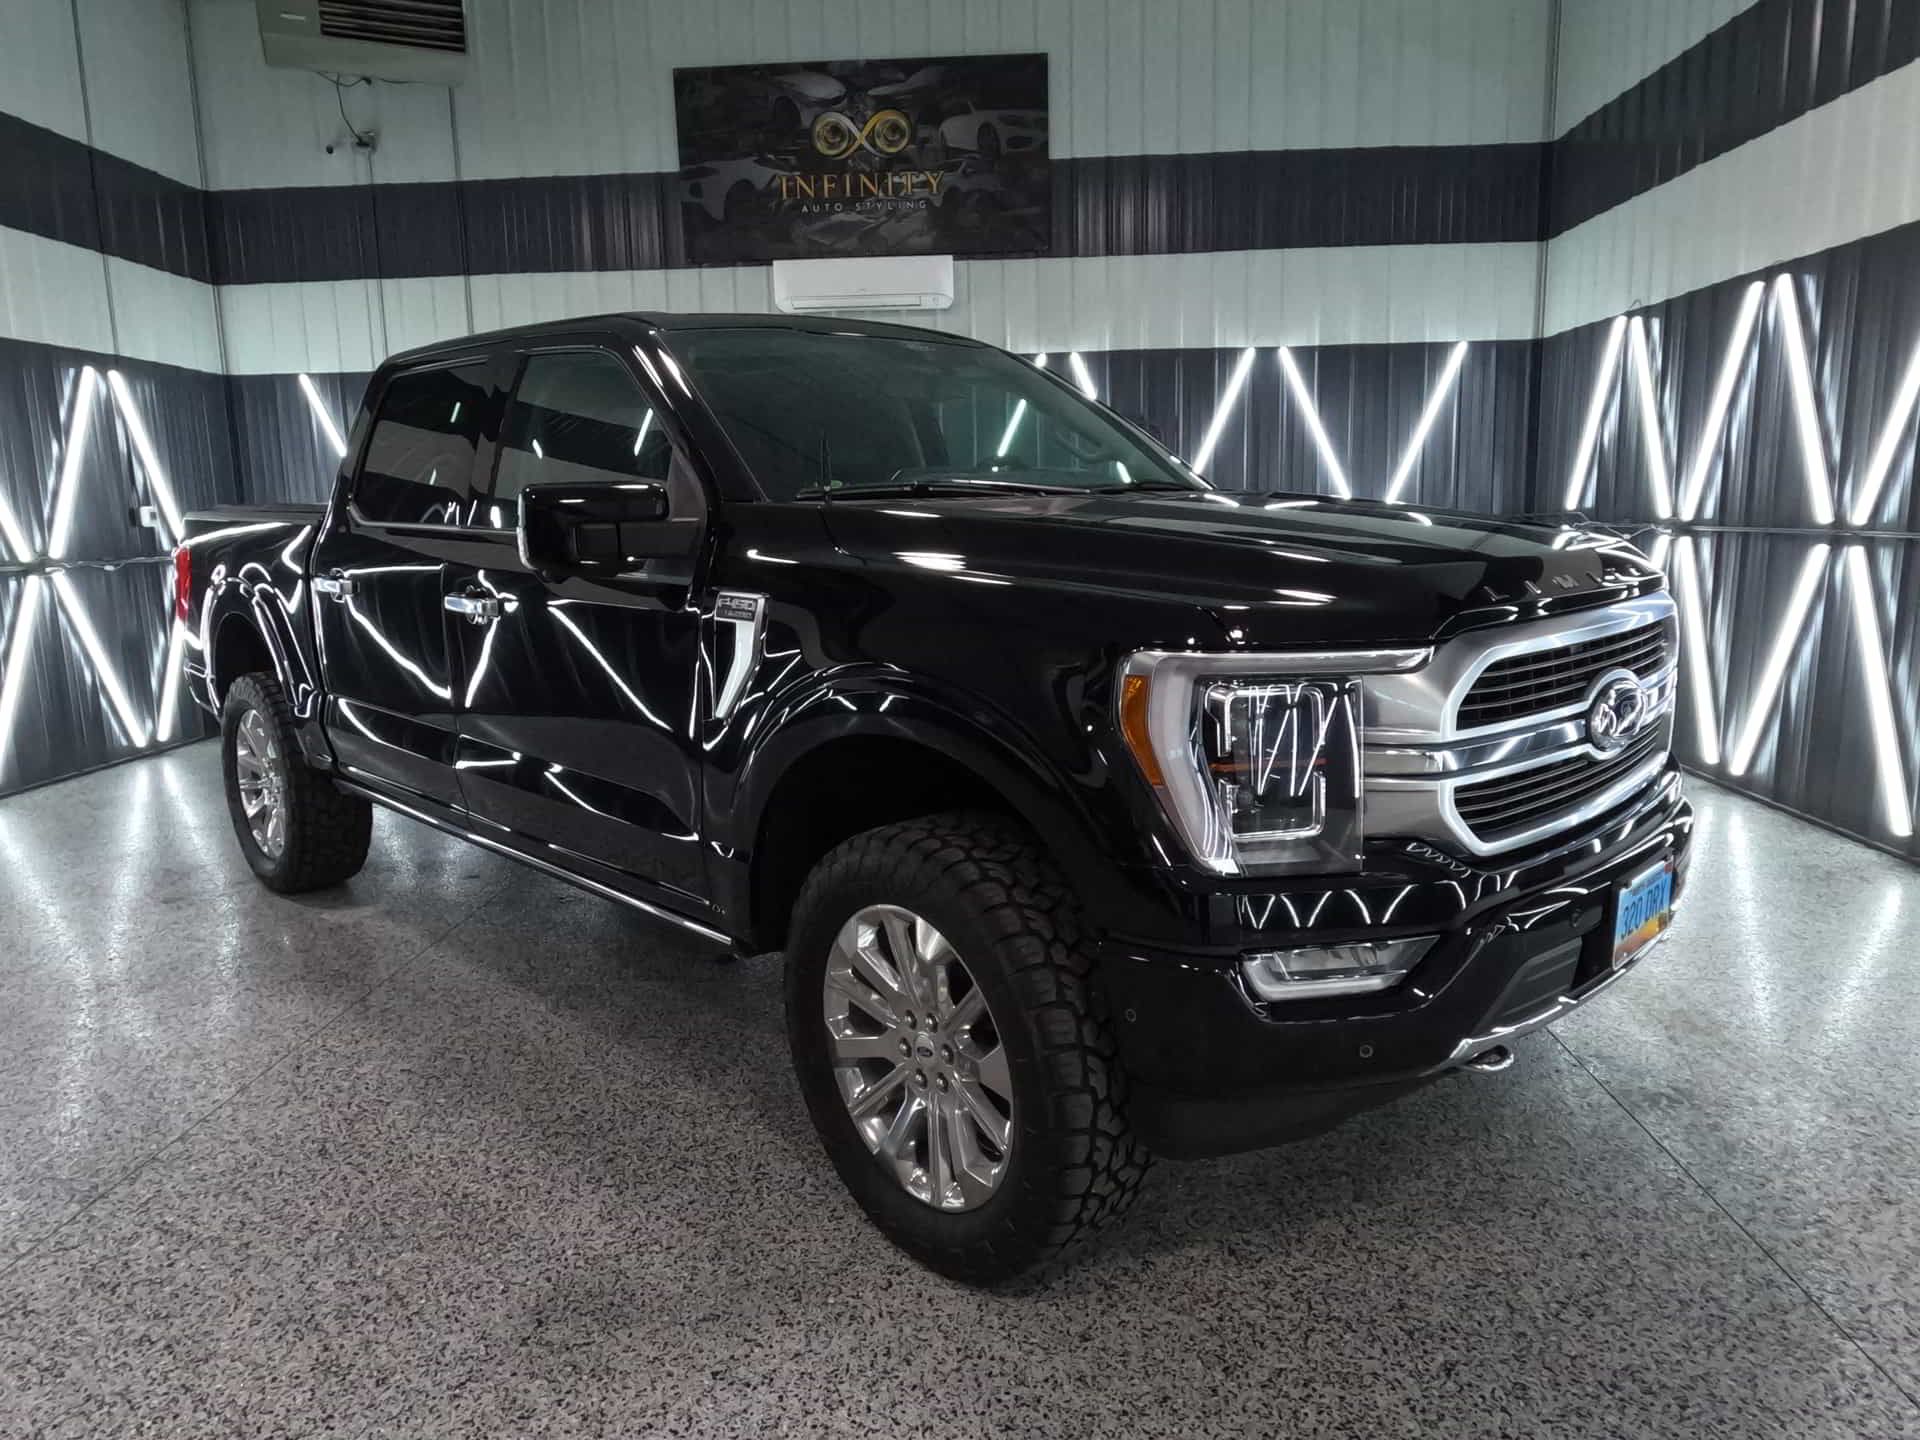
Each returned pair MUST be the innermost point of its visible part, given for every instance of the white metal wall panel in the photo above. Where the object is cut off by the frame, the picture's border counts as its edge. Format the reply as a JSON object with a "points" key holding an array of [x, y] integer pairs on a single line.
{"points": [[163, 317], [137, 82], [1607, 46], [577, 87], [324, 326], [39, 69], [1375, 295], [53, 293], [1845, 170], [271, 127], [418, 312]]}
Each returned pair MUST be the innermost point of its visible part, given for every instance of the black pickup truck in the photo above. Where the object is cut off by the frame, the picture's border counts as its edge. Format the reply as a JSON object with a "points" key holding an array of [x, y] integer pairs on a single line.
{"points": [[1100, 813]]}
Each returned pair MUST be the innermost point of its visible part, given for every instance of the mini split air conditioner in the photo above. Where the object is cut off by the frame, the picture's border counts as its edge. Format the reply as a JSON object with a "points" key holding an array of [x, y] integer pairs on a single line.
{"points": [[890, 282], [418, 40]]}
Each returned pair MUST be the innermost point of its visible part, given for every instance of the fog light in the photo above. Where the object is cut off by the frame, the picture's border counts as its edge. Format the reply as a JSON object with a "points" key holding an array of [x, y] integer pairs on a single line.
{"points": [[1332, 969]]}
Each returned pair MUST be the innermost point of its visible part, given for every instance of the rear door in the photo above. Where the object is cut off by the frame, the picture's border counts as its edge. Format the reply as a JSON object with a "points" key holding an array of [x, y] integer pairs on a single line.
{"points": [[379, 577], [577, 698]]}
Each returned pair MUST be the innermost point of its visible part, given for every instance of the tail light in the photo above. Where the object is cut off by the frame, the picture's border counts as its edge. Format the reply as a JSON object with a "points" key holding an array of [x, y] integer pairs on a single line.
{"points": [[182, 582]]}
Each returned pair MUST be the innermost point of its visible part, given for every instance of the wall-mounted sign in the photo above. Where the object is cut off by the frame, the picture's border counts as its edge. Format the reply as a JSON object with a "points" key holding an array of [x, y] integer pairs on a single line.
{"points": [[866, 157]]}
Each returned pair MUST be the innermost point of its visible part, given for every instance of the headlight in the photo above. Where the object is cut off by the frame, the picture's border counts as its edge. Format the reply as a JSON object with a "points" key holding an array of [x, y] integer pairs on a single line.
{"points": [[1255, 758]]}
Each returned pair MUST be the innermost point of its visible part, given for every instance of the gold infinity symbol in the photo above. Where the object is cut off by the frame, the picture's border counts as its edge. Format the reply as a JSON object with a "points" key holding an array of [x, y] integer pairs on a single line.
{"points": [[885, 133]]}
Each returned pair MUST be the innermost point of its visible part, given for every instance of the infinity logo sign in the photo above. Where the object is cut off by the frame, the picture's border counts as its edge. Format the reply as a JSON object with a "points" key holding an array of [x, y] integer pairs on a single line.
{"points": [[885, 133]]}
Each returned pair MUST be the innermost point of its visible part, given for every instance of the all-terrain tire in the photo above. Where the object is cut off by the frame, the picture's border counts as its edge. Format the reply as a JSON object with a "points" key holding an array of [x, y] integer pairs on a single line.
{"points": [[327, 831], [1074, 1166]]}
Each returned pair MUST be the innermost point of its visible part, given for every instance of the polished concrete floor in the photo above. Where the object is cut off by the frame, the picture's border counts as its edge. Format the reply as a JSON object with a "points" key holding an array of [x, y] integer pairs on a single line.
{"points": [[460, 1151]]}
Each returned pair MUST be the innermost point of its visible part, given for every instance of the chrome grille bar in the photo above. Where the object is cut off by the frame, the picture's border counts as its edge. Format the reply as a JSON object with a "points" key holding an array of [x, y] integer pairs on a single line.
{"points": [[1487, 748]]}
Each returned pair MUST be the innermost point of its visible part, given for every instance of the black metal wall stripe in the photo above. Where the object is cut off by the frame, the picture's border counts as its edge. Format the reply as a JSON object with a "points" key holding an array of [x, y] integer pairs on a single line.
{"points": [[1110, 205], [1107, 205], [1771, 63], [66, 190]]}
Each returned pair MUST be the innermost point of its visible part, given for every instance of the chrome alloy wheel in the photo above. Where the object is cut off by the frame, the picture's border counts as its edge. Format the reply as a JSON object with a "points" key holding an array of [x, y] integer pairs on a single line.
{"points": [[261, 776], [918, 1058]]}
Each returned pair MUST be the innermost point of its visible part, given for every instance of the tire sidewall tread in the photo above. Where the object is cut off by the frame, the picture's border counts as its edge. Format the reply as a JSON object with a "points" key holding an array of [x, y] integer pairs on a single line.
{"points": [[993, 892], [328, 831]]}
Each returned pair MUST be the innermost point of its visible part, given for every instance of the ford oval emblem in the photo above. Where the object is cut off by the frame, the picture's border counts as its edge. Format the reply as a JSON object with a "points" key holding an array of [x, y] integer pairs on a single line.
{"points": [[1616, 712]]}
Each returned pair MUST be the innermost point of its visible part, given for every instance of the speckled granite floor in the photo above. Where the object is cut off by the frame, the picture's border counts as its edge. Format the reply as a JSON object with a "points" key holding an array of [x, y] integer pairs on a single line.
{"points": [[460, 1151]]}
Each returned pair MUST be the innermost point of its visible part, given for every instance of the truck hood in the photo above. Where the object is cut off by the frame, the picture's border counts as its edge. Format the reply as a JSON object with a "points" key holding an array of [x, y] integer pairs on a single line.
{"points": [[1267, 569]]}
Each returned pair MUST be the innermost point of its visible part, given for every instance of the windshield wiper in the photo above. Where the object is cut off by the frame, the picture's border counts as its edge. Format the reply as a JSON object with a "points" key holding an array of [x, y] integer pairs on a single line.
{"points": [[951, 485], [1155, 487]]}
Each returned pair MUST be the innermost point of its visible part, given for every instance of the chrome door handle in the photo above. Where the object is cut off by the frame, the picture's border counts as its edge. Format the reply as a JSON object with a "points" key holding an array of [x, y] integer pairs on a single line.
{"points": [[478, 609], [334, 587]]}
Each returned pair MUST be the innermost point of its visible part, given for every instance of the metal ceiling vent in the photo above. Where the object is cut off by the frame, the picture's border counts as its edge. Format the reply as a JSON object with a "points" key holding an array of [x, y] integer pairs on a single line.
{"points": [[419, 40]]}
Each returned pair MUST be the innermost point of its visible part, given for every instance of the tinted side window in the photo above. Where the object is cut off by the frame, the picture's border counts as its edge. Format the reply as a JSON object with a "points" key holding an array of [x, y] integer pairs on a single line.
{"points": [[419, 465], [578, 417]]}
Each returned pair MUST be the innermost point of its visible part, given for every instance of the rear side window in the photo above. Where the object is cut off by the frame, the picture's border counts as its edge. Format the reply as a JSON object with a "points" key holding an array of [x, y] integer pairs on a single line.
{"points": [[419, 465], [578, 417]]}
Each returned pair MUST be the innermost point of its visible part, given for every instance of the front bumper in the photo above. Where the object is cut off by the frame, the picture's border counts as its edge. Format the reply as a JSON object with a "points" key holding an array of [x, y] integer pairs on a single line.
{"points": [[1214, 1070]]}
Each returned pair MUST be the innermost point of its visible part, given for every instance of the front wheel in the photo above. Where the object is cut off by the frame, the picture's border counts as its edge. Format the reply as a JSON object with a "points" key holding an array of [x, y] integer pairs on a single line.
{"points": [[953, 1052], [296, 829]]}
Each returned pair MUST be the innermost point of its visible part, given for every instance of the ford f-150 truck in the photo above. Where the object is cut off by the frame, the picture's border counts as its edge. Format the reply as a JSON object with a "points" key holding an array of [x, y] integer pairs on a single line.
{"points": [[1099, 812]]}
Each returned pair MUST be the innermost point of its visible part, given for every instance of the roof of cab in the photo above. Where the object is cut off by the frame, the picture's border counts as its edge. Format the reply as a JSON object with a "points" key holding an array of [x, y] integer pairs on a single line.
{"points": [[661, 320]]}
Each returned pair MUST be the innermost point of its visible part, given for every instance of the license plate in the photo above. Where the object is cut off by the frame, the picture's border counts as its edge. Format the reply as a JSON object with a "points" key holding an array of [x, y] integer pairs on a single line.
{"points": [[1644, 910]]}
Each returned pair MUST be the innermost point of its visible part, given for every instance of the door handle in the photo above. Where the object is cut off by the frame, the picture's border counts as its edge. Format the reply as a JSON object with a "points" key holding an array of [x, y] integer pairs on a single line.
{"points": [[477, 608], [334, 587]]}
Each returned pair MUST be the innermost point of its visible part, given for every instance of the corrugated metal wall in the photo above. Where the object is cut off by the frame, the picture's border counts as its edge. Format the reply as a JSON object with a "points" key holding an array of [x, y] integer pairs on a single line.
{"points": [[1777, 211], [1367, 184], [111, 396]]}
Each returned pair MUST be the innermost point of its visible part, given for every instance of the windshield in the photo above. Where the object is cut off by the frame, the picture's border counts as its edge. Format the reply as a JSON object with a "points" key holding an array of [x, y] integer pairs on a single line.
{"points": [[817, 414]]}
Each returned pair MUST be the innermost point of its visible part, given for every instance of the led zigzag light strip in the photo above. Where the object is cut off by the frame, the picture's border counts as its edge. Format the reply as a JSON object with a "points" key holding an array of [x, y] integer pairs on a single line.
{"points": [[66, 594], [1656, 442], [1310, 413], [1822, 497], [1596, 412], [1236, 383], [1813, 447], [327, 427], [1873, 667], [1427, 416]]}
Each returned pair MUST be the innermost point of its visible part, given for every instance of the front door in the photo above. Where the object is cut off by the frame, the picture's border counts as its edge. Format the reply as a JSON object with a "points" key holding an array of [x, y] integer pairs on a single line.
{"points": [[576, 698], [379, 573]]}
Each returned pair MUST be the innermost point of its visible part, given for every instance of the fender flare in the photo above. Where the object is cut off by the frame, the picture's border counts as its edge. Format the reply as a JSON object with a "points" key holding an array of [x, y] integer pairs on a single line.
{"points": [[249, 597], [891, 705]]}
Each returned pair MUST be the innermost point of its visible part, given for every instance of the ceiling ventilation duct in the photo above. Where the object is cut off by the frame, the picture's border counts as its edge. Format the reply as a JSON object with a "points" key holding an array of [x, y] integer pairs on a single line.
{"points": [[418, 40]]}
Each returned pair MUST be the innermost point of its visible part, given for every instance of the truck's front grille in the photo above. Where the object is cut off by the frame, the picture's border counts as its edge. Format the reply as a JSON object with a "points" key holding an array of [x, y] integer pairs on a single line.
{"points": [[1512, 805], [1488, 748], [1545, 680]]}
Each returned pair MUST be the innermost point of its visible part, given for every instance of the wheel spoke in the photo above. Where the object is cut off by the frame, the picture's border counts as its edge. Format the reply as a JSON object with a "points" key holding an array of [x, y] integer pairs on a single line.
{"points": [[941, 1156], [985, 1114], [897, 1144], [971, 1007], [863, 957], [936, 959], [873, 1100], [906, 957], [854, 989], [992, 1070], [850, 1047]]}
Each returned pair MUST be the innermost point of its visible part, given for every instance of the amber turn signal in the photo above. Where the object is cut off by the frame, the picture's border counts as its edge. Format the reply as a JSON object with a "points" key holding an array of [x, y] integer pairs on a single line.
{"points": [[1134, 692]]}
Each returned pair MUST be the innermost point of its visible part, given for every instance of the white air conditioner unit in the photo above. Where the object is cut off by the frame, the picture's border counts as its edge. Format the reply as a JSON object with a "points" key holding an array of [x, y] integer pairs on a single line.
{"points": [[881, 282], [418, 40]]}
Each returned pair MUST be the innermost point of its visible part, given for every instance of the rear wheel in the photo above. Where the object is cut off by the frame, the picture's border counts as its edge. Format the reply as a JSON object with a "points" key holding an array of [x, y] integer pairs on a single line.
{"points": [[952, 1049], [296, 829]]}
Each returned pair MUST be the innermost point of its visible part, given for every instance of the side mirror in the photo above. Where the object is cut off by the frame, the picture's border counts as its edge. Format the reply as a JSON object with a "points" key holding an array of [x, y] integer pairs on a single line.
{"points": [[612, 529]]}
